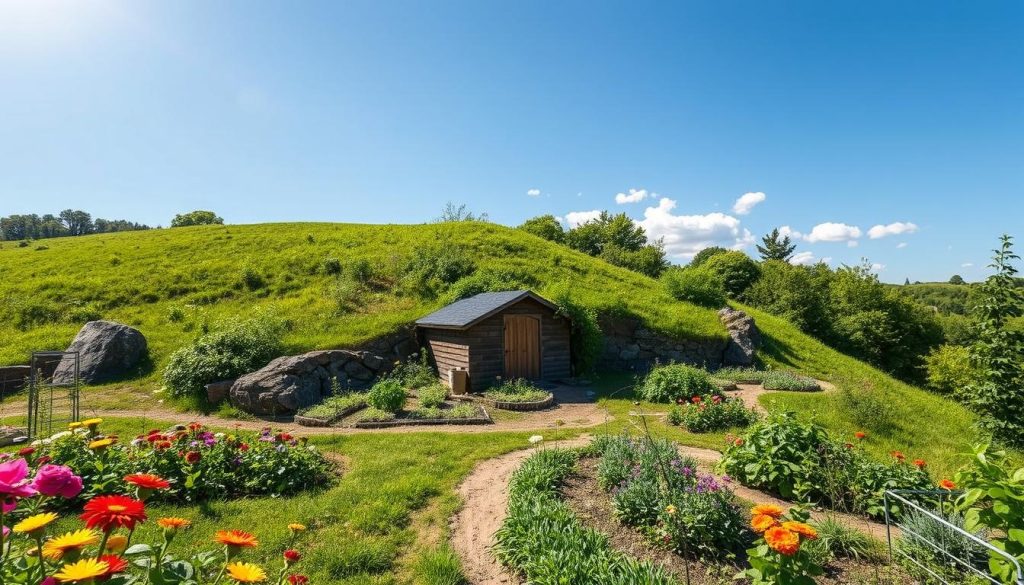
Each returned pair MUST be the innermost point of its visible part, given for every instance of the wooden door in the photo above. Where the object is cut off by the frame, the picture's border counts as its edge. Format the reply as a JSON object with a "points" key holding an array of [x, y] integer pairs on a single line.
{"points": [[522, 347]]}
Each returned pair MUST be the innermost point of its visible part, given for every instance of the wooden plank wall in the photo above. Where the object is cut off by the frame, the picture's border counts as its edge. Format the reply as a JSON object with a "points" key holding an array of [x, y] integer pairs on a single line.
{"points": [[448, 350]]}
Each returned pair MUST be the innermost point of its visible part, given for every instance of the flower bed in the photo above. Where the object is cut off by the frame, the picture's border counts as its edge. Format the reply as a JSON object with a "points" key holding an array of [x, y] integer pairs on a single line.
{"points": [[102, 550], [518, 394], [544, 541], [447, 414], [198, 464], [332, 409], [663, 494], [703, 414]]}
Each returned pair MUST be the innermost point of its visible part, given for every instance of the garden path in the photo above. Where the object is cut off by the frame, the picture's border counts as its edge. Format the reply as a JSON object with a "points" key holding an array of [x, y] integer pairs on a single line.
{"points": [[485, 497]]}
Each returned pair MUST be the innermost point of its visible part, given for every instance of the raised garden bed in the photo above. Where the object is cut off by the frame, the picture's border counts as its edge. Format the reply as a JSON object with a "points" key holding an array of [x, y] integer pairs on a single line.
{"points": [[409, 418], [331, 410], [314, 421], [522, 406]]}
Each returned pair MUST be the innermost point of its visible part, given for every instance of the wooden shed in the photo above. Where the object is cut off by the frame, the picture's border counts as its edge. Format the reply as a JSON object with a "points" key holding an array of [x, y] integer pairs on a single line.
{"points": [[512, 334]]}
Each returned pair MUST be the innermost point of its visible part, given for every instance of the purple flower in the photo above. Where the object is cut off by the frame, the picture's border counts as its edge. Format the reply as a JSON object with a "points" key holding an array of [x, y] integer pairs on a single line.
{"points": [[57, 480], [12, 479]]}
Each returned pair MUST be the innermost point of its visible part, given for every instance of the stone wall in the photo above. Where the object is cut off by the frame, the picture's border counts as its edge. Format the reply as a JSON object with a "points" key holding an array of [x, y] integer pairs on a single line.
{"points": [[631, 347], [290, 383]]}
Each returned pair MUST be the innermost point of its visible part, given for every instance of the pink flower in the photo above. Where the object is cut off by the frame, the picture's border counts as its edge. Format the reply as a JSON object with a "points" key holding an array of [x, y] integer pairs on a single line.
{"points": [[57, 480], [12, 479]]}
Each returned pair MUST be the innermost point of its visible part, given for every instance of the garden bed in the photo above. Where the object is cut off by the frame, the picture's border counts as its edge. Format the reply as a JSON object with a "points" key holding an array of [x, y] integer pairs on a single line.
{"points": [[522, 406], [409, 418], [313, 421]]}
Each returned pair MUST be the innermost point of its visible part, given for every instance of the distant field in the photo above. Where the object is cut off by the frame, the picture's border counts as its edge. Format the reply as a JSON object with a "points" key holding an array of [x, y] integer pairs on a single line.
{"points": [[169, 282], [950, 299]]}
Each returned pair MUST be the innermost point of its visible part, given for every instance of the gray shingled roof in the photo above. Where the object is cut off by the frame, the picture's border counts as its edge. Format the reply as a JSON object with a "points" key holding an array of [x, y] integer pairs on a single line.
{"points": [[468, 312]]}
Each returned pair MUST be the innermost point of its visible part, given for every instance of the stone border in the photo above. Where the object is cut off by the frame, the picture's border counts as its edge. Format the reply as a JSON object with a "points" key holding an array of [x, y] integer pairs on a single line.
{"points": [[485, 419], [517, 406], [312, 421]]}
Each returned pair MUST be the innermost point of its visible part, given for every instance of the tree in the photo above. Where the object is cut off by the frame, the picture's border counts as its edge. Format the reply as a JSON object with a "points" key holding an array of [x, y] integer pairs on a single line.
{"points": [[197, 217], [455, 213], [776, 247], [956, 279], [736, 270], [906, 282], [619, 240], [78, 223], [705, 255], [544, 226], [998, 350]]}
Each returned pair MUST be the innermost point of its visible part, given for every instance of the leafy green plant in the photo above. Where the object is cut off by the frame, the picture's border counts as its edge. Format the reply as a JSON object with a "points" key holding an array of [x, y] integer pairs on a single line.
{"points": [[950, 371], [716, 413], [433, 395], [921, 534], [387, 395], [585, 338], [415, 372], [699, 286], [233, 348], [838, 539], [516, 390], [672, 382], [741, 375], [993, 500]]}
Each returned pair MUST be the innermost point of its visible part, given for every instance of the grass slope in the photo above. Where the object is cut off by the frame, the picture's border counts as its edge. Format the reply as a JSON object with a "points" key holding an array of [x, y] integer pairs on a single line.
{"points": [[169, 282]]}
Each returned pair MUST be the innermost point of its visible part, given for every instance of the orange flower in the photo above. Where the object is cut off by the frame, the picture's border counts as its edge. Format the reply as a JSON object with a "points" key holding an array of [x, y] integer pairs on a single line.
{"points": [[860, 434], [785, 542], [898, 456], [768, 510], [802, 529], [147, 481], [109, 512], [947, 485], [919, 463], [762, 522], [173, 523], [236, 539]]}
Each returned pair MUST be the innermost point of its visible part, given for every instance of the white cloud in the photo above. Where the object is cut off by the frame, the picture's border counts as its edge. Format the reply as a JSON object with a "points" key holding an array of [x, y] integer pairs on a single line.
{"points": [[892, 229], [575, 218], [785, 231], [833, 232], [967, 265], [685, 235], [901, 245], [806, 258], [876, 267], [634, 196], [533, 192], [747, 201]]}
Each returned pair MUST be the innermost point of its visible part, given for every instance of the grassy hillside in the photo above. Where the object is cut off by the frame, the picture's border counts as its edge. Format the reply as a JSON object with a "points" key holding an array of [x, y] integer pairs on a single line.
{"points": [[169, 282], [946, 298]]}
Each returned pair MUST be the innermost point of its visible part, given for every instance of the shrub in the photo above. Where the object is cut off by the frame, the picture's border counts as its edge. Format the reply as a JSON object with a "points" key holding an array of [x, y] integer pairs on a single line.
{"points": [[252, 279], [331, 266], [387, 395], [695, 285], [949, 370], [544, 226], [674, 381], [199, 464], [585, 338], [799, 461], [416, 372], [433, 268], [360, 271], [783, 380], [433, 395], [233, 348], [735, 269], [715, 414], [921, 533]]}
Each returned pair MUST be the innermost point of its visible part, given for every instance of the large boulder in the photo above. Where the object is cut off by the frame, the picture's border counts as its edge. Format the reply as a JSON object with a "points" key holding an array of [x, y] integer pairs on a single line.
{"points": [[744, 337], [105, 350]]}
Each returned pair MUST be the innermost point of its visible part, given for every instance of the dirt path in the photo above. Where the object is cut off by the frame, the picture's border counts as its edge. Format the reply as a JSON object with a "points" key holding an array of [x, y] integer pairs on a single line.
{"points": [[485, 497]]}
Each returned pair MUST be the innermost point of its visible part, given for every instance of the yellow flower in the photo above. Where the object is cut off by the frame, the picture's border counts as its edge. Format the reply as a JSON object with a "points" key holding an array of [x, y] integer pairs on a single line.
{"points": [[117, 543], [34, 523], [670, 510], [83, 570], [74, 425], [92, 422], [101, 443], [295, 527], [246, 573], [55, 548]]}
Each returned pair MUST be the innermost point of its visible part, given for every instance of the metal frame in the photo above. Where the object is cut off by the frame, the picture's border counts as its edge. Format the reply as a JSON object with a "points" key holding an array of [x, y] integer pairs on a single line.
{"points": [[941, 495], [37, 384]]}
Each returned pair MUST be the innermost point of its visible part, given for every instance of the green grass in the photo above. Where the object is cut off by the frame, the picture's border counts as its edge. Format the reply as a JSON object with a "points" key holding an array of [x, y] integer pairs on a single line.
{"points": [[170, 283]]}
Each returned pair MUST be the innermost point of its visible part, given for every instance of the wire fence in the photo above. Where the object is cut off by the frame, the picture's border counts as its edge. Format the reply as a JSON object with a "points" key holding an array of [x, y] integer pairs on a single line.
{"points": [[53, 392], [932, 540]]}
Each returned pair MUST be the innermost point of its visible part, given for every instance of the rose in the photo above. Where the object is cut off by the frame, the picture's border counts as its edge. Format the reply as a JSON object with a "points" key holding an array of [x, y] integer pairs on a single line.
{"points": [[57, 480]]}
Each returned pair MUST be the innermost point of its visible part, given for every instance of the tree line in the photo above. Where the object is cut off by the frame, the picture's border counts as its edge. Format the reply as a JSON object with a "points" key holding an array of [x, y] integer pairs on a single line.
{"points": [[70, 222]]}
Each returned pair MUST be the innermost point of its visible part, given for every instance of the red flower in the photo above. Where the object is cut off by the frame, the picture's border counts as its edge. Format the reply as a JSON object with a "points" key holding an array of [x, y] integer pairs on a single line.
{"points": [[26, 451], [919, 463], [193, 457], [298, 579], [716, 399], [860, 435], [243, 447], [898, 456], [161, 445], [738, 442], [695, 400], [147, 481], [292, 556], [44, 460], [109, 512], [195, 426], [947, 485], [848, 445], [115, 565]]}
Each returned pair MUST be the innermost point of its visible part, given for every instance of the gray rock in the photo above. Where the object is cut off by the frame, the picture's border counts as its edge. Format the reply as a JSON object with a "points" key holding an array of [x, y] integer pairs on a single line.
{"points": [[373, 361], [218, 391], [106, 349], [358, 371], [744, 337]]}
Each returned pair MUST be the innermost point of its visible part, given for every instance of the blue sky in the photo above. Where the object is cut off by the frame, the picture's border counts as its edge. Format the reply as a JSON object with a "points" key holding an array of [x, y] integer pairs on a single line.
{"points": [[845, 115]]}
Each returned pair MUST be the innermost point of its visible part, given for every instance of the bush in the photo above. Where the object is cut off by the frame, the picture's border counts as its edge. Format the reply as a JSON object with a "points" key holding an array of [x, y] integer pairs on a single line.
{"points": [[414, 373], [676, 381], [736, 270], [715, 414], [585, 337], [433, 395], [695, 285], [233, 348], [799, 461], [387, 395], [433, 268], [783, 380], [655, 489], [950, 371], [199, 464], [917, 541]]}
